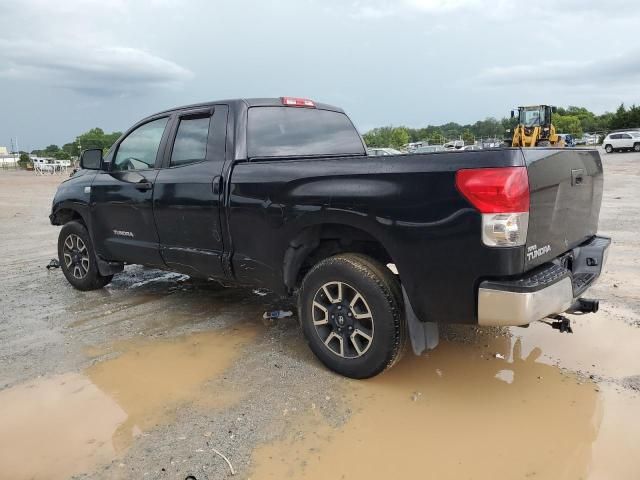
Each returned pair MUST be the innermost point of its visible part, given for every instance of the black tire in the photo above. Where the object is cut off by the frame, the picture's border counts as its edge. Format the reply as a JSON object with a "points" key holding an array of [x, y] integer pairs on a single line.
{"points": [[608, 148], [636, 147], [381, 297], [77, 258]]}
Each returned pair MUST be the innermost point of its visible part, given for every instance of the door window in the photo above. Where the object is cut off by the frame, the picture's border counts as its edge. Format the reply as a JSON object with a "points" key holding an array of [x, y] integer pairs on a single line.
{"points": [[139, 149], [190, 145]]}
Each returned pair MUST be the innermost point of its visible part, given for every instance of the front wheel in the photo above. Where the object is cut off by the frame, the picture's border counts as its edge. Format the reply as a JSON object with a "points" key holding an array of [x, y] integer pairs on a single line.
{"points": [[77, 258], [350, 308], [608, 149]]}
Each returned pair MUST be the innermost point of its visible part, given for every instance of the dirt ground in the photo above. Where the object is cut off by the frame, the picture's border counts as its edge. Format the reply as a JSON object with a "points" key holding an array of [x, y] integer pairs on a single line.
{"points": [[159, 376]]}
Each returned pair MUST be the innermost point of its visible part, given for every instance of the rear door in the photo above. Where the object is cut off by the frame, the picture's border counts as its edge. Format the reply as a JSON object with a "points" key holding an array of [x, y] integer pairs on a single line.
{"points": [[121, 198], [187, 192], [616, 140], [566, 191], [627, 141]]}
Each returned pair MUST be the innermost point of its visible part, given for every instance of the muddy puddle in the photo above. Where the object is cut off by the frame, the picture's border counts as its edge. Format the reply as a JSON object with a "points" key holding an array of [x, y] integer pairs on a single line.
{"points": [[599, 344], [56, 427], [491, 407]]}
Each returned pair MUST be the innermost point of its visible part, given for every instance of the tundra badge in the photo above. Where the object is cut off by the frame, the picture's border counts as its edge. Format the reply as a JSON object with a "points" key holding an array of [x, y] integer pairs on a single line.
{"points": [[534, 252]]}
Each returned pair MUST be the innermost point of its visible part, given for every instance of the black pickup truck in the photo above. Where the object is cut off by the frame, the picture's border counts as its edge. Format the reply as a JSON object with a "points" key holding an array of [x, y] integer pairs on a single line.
{"points": [[280, 193]]}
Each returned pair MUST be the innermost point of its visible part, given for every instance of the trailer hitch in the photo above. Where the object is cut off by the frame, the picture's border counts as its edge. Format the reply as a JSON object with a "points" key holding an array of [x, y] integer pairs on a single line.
{"points": [[560, 323], [584, 305]]}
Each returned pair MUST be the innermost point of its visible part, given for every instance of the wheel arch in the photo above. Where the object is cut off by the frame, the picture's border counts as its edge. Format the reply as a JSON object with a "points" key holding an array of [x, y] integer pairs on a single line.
{"points": [[67, 212], [317, 242]]}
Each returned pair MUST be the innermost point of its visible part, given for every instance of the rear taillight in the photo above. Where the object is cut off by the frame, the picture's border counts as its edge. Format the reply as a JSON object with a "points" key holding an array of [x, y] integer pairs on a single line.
{"points": [[298, 102], [502, 197]]}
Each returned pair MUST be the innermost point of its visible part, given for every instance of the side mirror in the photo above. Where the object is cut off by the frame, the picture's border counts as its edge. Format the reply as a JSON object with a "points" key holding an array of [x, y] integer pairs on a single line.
{"points": [[91, 159], [513, 115], [554, 109]]}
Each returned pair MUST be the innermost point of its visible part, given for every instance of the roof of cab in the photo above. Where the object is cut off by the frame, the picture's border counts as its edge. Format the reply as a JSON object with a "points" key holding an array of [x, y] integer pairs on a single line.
{"points": [[249, 102]]}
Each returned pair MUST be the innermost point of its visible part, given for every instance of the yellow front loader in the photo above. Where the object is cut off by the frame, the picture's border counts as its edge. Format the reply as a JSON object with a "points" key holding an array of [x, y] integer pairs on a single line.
{"points": [[534, 127]]}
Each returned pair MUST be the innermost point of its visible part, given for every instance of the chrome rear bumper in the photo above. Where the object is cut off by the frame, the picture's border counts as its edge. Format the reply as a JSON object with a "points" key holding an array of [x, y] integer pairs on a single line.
{"points": [[499, 307], [547, 290]]}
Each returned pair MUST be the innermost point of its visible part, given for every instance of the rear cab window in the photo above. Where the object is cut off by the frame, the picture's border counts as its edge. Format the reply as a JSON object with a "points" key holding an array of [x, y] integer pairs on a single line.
{"points": [[291, 131]]}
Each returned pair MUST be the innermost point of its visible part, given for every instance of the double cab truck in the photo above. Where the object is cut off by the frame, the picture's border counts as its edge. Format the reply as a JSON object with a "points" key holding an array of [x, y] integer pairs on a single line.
{"points": [[280, 193]]}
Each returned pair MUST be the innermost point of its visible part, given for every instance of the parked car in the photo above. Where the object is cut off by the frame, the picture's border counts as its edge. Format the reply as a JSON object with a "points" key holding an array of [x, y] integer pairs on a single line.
{"points": [[429, 149], [567, 139], [412, 146], [454, 144], [492, 143], [382, 152], [617, 142], [280, 193], [472, 147]]}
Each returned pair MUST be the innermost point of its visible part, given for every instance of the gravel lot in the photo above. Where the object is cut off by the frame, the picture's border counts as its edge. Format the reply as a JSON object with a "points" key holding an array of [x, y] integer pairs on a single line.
{"points": [[160, 376]]}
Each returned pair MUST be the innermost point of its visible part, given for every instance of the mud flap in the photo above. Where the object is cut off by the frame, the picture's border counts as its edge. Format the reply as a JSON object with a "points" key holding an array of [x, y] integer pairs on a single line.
{"points": [[109, 268], [423, 335]]}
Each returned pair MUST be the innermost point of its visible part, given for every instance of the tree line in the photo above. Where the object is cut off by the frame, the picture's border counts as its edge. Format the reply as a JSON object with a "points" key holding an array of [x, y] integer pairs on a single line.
{"points": [[94, 138], [573, 120]]}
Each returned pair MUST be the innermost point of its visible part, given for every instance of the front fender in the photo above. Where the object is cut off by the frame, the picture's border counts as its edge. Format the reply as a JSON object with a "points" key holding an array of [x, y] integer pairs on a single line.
{"points": [[72, 198]]}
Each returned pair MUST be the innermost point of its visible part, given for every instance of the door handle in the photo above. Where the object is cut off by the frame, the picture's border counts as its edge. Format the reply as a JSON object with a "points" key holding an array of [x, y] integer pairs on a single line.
{"points": [[577, 176], [144, 185], [217, 185]]}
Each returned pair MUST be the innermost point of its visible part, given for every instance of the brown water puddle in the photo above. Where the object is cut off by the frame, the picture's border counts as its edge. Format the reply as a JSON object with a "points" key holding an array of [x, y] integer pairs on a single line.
{"points": [[598, 344], [462, 412], [151, 378], [56, 427]]}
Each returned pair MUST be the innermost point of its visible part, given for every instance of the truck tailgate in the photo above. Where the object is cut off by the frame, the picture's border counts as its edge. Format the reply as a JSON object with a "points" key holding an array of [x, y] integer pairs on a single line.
{"points": [[566, 192]]}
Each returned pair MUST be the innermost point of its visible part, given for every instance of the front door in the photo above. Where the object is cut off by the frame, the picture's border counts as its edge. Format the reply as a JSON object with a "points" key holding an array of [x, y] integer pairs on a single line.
{"points": [[626, 141], [122, 198], [187, 192]]}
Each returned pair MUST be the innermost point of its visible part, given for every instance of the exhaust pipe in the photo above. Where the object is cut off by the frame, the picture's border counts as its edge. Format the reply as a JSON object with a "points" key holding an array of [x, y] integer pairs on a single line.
{"points": [[584, 305]]}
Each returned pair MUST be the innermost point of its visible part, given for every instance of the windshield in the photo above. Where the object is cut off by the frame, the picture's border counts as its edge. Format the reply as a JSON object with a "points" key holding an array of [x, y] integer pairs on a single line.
{"points": [[530, 118]]}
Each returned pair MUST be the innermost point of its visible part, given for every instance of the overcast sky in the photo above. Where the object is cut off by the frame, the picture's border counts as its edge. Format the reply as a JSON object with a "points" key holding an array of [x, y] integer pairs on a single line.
{"points": [[70, 65]]}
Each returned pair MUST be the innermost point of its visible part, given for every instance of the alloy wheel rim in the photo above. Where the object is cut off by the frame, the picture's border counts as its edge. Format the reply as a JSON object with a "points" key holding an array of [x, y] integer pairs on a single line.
{"points": [[342, 319], [76, 256]]}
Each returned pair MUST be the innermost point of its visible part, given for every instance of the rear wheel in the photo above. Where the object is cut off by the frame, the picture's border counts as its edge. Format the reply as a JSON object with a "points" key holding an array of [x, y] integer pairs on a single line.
{"points": [[636, 147], [350, 308], [77, 258], [608, 148]]}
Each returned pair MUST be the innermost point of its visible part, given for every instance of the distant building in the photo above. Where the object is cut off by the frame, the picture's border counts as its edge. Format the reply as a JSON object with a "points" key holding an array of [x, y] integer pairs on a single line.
{"points": [[7, 160], [3, 151]]}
